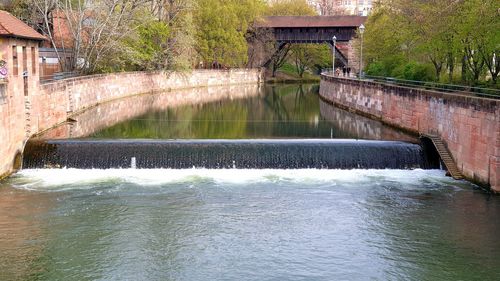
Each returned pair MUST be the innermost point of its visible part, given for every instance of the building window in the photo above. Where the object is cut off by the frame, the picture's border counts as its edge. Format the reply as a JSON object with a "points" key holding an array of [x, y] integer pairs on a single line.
{"points": [[3, 93], [15, 65], [25, 59], [34, 61]]}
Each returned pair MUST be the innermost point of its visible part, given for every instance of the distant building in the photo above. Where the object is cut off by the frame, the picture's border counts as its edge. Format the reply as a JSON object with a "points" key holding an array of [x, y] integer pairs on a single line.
{"points": [[342, 7]]}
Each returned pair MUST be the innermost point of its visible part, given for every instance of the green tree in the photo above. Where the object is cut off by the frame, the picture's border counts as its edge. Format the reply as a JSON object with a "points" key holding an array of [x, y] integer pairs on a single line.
{"points": [[404, 34], [177, 15], [479, 28], [310, 56], [147, 47], [290, 8], [221, 28]]}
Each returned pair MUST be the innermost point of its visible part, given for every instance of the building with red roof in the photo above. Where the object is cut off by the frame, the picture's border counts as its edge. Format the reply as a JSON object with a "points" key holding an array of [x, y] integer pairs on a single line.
{"points": [[19, 80], [18, 55]]}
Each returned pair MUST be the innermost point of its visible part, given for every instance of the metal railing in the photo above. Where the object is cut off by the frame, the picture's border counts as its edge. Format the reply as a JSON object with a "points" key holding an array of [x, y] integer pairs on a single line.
{"points": [[441, 87], [58, 76]]}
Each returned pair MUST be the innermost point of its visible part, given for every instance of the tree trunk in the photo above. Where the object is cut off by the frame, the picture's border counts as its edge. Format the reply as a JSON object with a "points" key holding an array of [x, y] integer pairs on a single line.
{"points": [[464, 69], [451, 67]]}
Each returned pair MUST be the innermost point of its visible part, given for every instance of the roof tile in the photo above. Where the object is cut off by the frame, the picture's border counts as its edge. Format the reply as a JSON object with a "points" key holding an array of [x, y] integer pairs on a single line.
{"points": [[11, 26]]}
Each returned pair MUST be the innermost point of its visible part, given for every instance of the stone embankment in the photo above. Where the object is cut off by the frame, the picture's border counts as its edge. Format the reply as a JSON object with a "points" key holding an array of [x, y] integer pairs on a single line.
{"points": [[50, 104], [468, 125]]}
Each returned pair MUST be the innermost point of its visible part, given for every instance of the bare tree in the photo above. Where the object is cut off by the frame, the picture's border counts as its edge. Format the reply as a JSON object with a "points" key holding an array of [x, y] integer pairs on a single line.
{"points": [[177, 15], [88, 30], [331, 8]]}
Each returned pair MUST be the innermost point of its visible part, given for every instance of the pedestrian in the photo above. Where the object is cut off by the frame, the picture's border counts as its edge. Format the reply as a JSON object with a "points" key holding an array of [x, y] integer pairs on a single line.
{"points": [[344, 70], [349, 71]]}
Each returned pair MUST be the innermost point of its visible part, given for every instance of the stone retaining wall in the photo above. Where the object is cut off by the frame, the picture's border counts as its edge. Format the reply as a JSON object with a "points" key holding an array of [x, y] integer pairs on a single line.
{"points": [[52, 103], [469, 126]]}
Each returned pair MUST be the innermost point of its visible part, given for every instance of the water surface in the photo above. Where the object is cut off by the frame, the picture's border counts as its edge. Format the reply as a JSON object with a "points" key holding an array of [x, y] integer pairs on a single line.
{"points": [[201, 224], [242, 224], [235, 112]]}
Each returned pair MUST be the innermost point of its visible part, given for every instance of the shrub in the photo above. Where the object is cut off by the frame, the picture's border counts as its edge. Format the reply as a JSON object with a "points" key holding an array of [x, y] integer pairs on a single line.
{"points": [[376, 69]]}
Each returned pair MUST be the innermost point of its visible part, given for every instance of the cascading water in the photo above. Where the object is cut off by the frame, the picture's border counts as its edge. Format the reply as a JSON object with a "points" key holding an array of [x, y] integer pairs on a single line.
{"points": [[257, 208], [224, 154]]}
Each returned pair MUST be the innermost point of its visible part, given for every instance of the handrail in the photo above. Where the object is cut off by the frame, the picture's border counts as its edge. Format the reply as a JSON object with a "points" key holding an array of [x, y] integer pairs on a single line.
{"points": [[58, 76], [449, 88]]}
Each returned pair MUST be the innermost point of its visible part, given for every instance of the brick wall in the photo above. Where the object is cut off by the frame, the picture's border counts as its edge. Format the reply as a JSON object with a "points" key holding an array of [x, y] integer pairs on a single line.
{"points": [[469, 126], [50, 104], [14, 105]]}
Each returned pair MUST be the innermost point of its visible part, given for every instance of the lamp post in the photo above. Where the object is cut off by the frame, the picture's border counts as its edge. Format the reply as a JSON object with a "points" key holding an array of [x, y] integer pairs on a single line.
{"points": [[361, 31], [334, 53]]}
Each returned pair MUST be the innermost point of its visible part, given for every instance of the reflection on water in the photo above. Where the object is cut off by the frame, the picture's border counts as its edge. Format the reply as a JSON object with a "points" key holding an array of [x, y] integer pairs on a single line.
{"points": [[134, 109], [351, 125], [246, 225], [198, 224], [237, 112], [23, 235]]}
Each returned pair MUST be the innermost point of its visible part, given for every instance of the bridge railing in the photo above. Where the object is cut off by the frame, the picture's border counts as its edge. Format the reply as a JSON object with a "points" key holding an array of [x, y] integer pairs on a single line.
{"points": [[441, 87]]}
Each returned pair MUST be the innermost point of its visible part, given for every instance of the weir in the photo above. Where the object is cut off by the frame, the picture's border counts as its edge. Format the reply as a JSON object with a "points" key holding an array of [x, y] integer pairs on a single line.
{"points": [[224, 154]]}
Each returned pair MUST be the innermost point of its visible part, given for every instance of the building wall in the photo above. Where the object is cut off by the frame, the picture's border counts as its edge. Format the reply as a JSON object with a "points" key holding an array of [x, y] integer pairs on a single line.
{"points": [[469, 126], [14, 105], [342, 7], [50, 104]]}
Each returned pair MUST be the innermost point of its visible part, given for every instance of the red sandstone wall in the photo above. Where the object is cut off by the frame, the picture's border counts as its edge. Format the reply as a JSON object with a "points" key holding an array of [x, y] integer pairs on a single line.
{"points": [[56, 101], [50, 104], [112, 113], [469, 126], [13, 128]]}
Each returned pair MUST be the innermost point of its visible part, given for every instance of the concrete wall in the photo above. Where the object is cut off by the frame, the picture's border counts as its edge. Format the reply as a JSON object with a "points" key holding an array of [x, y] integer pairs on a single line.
{"points": [[50, 104], [469, 126]]}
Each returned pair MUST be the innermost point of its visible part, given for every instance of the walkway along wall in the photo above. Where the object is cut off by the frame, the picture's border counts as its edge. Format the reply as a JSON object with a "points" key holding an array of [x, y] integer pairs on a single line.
{"points": [[51, 104], [469, 126]]}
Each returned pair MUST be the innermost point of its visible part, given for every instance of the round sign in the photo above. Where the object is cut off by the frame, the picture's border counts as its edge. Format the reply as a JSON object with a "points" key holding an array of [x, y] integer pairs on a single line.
{"points": [[3, 71]]}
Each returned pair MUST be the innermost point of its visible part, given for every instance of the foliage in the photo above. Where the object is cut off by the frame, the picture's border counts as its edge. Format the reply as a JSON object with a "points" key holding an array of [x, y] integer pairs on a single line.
{"points": [[310, 56], [404, 38], [414, 71], [290, 8], [221, 29], [178, 47], [146, 49], [124, 35]]}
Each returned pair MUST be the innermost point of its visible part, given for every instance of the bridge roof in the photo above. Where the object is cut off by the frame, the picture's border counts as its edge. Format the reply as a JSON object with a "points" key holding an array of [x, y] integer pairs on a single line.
{"points": [[310, 21]]}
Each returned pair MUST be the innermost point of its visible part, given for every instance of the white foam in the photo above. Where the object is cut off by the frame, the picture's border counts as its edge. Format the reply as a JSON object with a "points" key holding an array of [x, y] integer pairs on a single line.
{"points": [[46, 178]]}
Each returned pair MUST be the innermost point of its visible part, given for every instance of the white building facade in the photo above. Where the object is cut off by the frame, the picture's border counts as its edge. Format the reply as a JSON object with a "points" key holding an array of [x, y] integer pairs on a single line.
{"points": [[342, 7]]}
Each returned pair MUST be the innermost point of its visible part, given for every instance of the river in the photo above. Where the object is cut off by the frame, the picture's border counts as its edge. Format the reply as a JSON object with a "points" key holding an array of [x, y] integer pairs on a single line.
{"points": [[242, 224]]}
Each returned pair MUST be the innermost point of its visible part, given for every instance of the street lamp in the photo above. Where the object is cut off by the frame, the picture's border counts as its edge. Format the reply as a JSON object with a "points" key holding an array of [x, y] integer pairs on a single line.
{"points": [[334, 47], [361, 31]]}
